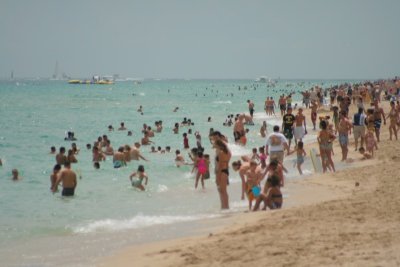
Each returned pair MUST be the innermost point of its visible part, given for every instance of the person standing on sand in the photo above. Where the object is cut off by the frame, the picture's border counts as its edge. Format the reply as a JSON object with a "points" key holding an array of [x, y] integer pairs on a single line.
{"points": [[314, 108], [68, 179], [394, 117], [287, 125], [222, 158], [379, 114], [344, 131], [299, 130], [359, 127], [275, 145], [325, 139]]}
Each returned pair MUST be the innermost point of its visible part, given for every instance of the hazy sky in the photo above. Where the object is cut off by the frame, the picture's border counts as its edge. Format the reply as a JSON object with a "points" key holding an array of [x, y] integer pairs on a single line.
{"points": [[201, 39]]}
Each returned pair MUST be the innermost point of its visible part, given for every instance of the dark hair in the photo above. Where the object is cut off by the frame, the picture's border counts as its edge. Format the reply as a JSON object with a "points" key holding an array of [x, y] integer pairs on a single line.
{"points": [[57, 167], [140, 168], [177, 151], [323, 125], [276, 128], [300, 144], [222, 146]]}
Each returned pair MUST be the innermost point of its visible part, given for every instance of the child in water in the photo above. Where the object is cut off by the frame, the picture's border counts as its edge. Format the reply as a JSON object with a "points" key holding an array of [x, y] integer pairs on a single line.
{"points": [[201, 166], [141, 175]]}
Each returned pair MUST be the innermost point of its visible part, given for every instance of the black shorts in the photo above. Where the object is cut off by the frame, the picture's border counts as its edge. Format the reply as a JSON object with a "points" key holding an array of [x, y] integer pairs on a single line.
{"points": [[68, 192], [251, 112], [288, 132], [283, 107]]}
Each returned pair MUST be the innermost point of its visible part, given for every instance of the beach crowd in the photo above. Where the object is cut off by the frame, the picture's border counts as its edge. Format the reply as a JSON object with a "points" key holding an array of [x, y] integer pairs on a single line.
{"points": [[336, 113]]}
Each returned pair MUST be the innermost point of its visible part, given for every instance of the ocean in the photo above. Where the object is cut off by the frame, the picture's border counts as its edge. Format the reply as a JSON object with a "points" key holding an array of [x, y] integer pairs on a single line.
{"points": [[39, 228]]}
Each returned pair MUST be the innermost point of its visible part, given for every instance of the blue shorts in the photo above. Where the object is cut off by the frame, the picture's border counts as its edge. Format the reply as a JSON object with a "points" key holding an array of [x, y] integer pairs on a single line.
{"points": [[343, 139]]}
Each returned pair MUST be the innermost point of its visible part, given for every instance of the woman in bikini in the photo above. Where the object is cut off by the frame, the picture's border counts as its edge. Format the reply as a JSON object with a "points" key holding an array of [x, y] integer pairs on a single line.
{"points": [[394, 118], [325, 139], [223, 156]]}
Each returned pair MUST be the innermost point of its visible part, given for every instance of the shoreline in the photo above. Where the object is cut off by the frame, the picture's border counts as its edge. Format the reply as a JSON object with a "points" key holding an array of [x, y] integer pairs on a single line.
{"points": [[314, 195]]}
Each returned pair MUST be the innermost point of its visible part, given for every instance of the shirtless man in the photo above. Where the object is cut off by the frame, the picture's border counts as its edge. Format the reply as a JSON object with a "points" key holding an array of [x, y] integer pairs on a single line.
{"points": [[119, 158], [97, 155], [314, 107], [282, 104], [299, 130], [135, 152], [242, 168], [238, 129], [145, 140], [251, 108], [61, 158], [344, 131], [122, 127], [109, 150], [68, 179], [379, 114]]}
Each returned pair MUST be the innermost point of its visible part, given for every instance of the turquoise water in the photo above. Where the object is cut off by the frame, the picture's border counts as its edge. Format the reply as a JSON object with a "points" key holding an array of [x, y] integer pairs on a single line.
{"points": [[35, 114]]}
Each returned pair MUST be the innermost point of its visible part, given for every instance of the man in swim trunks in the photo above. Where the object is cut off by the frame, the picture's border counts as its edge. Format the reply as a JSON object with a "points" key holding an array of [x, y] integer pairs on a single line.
{"points": [[68, 179], [379, 114], [314, 107], [275, 145], [299, 130], [119, 158], [287, 125], [61, 158], [282, 104], [359, 127], [344, 131], [238, 129], [251, 108]]}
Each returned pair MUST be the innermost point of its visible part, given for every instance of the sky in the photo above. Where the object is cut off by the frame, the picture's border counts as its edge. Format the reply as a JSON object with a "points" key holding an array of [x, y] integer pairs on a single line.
{"points": [[189, 39]]}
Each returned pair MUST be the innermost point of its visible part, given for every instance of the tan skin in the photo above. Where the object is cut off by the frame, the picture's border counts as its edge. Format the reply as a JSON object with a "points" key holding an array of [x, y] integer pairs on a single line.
{"points": [[344, 128], [67, 177], [221, 177], [379, 114], [135, 152], [244, 167], [393, 117], [140, 175], [324, 138], [254, 176]]}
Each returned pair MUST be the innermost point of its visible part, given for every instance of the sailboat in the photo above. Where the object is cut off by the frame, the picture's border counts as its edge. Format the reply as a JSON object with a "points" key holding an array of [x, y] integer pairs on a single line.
{"points": [[55, 74]]}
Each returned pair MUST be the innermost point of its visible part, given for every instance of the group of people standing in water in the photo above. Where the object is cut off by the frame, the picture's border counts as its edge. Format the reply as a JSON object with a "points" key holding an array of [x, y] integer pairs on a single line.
{"points": [[265, 162]]}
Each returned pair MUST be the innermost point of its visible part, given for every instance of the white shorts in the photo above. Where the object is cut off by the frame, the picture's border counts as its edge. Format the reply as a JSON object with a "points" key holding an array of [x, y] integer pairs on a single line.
{"points": [[299, 132]]}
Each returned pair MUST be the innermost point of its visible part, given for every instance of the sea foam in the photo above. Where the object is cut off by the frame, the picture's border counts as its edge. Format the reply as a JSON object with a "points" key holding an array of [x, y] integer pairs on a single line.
{"points": [[138, 221]]}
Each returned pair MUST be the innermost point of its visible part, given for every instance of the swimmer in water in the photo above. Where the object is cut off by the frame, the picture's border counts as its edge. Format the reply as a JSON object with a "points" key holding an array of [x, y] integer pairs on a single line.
{"points": [[15, 175], [53, 150], [140, 109], [122, 127], [53, 177], [141, 175]]}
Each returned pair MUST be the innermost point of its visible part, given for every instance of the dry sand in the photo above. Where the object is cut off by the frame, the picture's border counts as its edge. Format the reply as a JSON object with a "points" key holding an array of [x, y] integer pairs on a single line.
{"points": [[333, 222]]}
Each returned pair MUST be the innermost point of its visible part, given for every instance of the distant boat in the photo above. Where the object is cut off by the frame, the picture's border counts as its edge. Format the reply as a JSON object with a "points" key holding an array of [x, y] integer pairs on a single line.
{"points": [[94, 80], [268, 81]]}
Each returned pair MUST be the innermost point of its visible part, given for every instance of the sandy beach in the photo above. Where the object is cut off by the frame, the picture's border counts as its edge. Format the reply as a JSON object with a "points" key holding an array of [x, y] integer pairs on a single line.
{"points": [[347, 218]]}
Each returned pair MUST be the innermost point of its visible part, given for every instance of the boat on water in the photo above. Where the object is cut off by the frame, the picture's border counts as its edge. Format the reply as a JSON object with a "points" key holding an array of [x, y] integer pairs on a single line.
{"points": [[94, 80], [270, 82]]}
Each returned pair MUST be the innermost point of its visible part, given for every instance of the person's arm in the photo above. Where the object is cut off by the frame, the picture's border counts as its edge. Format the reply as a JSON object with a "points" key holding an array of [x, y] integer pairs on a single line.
{"points": [[305, 126], [75, 182], [383, 115], [241, 174], [146, 179], [143, 158], [57, 182], [132, 175]]}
